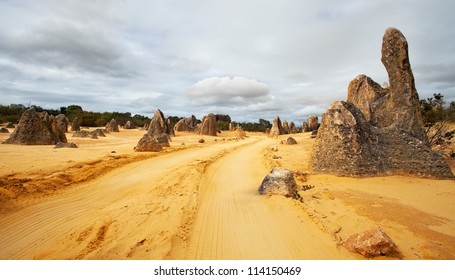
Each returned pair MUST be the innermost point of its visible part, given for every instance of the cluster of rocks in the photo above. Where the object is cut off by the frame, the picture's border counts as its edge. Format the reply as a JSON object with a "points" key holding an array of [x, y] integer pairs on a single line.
{"points": [[158, 134], [38, 129], [91, 134], [311, 125], [378, 130], [279, 128], [186, 124]]}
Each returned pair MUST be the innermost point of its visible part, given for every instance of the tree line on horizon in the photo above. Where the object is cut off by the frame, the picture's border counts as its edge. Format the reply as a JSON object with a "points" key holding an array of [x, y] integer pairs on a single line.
{"points": [[13, 112]]}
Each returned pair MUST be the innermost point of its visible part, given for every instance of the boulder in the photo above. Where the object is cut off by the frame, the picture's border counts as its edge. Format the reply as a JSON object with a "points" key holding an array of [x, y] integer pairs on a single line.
{"points": [[278, 182], [313, 122], [371, 243], [112, 126], [186, 124], [148, 143], [9, 125], [277, 128], [290, 141], [36, 129], [129, 125], [4, 130], [75, 125], [208, 125], [65, 145], [62, 121], [378, 131]]}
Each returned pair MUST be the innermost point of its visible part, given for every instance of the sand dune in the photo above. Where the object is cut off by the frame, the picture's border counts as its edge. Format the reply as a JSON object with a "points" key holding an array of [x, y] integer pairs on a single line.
{"points": [[199, 201]]}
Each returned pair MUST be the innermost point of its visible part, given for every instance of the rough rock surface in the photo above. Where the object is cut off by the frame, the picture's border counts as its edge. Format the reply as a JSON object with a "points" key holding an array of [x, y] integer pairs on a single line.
{"points": [[292, 128], [290, 141], [148, 143], [313, 122], [85, 134], [286, 127], [169, 128], [208, 125], [371, 243], [75, 126], [4, 130], [99, 132], [305, 127], [277, 128], [112, 126], [65, 145], [129, 125], [9, 125], [278, 182], [158, 124], [36, 129], [62, 121], [378, 131], [186, 124]]}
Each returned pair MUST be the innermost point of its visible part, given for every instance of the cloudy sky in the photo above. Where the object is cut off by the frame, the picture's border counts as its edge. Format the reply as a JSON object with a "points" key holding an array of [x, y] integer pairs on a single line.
{"points": [[250, 59]]}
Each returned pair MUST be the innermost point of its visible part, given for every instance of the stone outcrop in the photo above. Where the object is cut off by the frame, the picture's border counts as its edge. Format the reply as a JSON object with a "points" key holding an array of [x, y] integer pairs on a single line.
{"points": [[75, 125], [9, 125], [313, 122], [278, 182], [292, 128], [290, 141], [148, 143], [85, 134], [285, 127], [169, 128], [277, 128], [208, 125], [157, 134], [62, 121], [371, 243], [378, 131], [65, 145], [186, 124], [4, 130], [129, 125], [36, 129], [112, 126], [305, 127], [99, 132]]}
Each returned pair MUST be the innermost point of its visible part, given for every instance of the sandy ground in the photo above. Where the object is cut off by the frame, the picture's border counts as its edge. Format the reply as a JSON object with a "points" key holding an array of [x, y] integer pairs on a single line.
{"points": [[199, 201]]}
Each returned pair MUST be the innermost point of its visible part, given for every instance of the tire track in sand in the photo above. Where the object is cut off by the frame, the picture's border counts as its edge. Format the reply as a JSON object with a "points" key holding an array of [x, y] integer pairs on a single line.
{"points": [[140, 203], [234, 222]]}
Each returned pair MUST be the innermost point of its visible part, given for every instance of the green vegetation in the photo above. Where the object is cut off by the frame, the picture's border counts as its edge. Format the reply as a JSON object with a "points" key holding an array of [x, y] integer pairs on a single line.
{"points": [[13, 113], [436, 115]]}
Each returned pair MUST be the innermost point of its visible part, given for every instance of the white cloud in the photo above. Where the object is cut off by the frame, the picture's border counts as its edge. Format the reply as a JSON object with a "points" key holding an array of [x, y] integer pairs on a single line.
{"points": [[227, 90]]}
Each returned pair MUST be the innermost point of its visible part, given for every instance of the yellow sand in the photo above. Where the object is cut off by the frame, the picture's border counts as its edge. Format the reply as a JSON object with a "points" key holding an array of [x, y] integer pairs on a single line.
{"points": [[199, 201]]}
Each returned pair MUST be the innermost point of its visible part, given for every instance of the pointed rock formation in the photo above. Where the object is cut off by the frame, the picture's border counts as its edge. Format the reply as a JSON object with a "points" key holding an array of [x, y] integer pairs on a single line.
{"points": [[305, 127], [62, 121], [36, 129], [208, 125], [292, 128], [277, 128], [285, 127], [75, 125], [378, 131], [157, 134], [112, 126], [9, 125], [158, 124], [313, 122], [129, 125], [186, 124]]}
